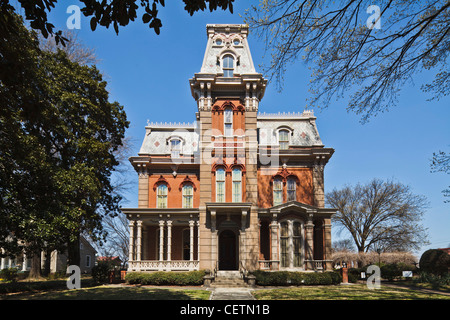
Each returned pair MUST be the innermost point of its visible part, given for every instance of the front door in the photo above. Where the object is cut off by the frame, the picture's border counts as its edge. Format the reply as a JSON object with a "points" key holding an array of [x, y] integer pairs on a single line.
{"points": [[227, 250]]}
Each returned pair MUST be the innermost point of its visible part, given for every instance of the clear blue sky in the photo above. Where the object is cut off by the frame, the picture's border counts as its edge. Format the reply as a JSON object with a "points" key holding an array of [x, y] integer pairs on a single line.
{"points": [[148, 75]]}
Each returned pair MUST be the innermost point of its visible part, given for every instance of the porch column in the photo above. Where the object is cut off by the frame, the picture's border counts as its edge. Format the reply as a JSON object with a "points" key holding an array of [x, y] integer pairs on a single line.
{"points": [[139, 240], [198, 241], [327, 243], [131, 245], [24, 264], [309, 243], [169, 240], [274, 243], [214, 255], [191, 240], [3, 261], [161, 240]]}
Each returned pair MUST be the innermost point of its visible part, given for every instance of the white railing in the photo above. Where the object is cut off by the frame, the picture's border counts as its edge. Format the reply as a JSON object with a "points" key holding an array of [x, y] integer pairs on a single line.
{"points": [[155, 265], [266, 264]]}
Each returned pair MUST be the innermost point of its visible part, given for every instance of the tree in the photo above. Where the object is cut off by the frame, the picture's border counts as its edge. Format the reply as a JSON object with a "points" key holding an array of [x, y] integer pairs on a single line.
{"points": [[381, 214], [107, 13], [349, 53], [441, 163], [59, 134]]}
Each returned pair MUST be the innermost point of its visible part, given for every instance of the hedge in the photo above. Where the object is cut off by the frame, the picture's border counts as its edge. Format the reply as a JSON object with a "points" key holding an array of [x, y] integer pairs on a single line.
{"points": [[435, 261], [161, 278], [288, 278]]}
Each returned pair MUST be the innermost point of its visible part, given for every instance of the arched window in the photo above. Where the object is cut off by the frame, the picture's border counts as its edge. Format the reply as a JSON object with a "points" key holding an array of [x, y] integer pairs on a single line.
{"points": [[188, 196], [161, 196], [220, 185], [277, 191], [228, 66], [228, 122], [291, 189], [291, 244], [283, 139], [237, 185]]}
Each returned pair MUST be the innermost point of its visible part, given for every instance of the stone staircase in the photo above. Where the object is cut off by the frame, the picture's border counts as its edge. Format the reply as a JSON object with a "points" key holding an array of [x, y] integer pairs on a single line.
{"points": [[229, 279]]}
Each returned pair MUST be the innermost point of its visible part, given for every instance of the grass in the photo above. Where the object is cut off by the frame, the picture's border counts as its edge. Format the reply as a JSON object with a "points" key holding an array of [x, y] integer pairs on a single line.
{"points": [[112, 293], [345, 292]]}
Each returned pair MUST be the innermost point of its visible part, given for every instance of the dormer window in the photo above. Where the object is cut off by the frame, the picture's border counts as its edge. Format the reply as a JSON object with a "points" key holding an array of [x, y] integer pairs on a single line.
{"points": [[175, 148], [228, 66], [283, 139]]}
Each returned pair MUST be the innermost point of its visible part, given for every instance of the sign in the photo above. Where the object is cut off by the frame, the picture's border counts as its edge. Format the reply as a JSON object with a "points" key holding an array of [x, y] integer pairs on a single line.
{"points": [[407, 274]]}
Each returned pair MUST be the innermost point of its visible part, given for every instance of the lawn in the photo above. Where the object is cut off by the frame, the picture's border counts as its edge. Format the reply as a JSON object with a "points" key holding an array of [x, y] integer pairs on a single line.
{"points": [[112, 293], [345, 292]]}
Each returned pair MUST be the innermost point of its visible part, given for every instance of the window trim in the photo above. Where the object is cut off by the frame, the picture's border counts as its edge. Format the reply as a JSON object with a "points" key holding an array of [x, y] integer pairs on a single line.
{"points": [[184, 196], [162, 196], [290, 244], [222, 182], [233, 186], [227, 69]]}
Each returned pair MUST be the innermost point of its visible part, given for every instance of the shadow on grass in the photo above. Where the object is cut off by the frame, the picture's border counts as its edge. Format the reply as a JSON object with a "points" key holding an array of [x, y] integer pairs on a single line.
{"points": [[351, 292], [114, 293]]}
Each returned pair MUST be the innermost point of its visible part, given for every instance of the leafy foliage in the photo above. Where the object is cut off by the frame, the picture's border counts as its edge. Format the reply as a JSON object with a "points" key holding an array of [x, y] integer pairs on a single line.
{"points": [[435, 261], [58, 135], [194, 278], [106, 13]]}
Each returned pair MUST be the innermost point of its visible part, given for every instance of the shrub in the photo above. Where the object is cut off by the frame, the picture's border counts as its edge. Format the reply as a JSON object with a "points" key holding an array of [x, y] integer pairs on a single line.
{"points": [[9, 274], [160, 278], [100, 272], [435, 261], [287, 278]]}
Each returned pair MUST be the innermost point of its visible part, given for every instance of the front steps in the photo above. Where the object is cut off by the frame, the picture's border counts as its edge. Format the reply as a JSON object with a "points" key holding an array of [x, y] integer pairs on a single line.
{"points": [[229, 279]]}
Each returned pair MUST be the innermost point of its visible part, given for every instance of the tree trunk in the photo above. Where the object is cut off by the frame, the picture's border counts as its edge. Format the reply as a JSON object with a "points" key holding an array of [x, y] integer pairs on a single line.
{"points": [[35, 271], [73, 251]]}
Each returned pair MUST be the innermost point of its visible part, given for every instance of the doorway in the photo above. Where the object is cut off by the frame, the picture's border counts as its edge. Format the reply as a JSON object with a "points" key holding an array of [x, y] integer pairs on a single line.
{"points": [[227, 250]]}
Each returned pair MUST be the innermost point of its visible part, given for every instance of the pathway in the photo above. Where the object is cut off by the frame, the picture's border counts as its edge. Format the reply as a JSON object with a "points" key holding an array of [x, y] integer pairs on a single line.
{"points": [[231, 294]]}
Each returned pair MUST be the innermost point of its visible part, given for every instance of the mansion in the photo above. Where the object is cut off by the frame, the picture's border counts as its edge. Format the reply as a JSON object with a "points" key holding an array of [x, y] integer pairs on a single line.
{"points": [[236, 189]]}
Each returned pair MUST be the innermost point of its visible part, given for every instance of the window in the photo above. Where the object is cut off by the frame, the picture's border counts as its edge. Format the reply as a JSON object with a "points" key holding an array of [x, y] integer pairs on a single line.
{"points": [[237, 185], [228, 66], [228, 122], [291, 189], [283, 139], [277, 191], [220, 185], [188, 196], [88, 261], [161, 195], [291, 244], [175, 148], [284, 242]]}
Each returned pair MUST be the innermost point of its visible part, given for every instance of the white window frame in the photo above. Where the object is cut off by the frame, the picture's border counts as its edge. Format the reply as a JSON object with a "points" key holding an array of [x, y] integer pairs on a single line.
{"points": [[227, 69], [236, 185], [162, 196], [277, 179], [228, 113], [222, 197], [294, 190], [288, 141], [186, 196]]}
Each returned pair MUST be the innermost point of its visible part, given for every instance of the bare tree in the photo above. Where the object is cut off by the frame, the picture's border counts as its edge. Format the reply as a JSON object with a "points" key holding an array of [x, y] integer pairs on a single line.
{"points": [[74, 48], [383, 215], [441, 163], [351, 48]]}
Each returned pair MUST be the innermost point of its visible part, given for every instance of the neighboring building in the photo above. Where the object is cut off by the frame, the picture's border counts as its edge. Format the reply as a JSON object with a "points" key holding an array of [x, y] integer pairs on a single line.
{"points": [[236, 189], [58, 260]]}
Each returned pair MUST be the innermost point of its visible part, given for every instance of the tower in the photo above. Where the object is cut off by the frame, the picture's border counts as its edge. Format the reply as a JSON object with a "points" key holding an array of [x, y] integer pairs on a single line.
{"points": [[228, 91]]}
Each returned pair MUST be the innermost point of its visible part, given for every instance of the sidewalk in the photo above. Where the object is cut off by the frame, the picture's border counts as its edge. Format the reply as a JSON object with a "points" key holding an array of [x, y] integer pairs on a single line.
{"points": [[231, 294]]}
